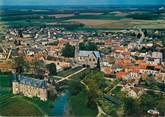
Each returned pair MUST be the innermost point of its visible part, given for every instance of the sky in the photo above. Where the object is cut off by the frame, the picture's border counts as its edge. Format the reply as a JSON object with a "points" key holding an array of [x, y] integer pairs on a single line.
{"points": [[82, 2]]}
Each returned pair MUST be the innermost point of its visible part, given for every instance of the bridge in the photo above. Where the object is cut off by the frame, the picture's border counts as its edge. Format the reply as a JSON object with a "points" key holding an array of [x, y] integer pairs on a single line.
{"points": [[69, 76]]}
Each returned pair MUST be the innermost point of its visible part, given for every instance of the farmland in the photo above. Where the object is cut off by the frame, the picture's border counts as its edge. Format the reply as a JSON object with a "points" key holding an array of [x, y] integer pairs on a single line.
{"points": [[120, 24], [95, 19]]}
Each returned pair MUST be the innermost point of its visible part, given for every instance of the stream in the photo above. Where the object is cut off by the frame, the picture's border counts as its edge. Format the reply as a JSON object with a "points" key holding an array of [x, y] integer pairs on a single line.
{"points": [[61, 104]]}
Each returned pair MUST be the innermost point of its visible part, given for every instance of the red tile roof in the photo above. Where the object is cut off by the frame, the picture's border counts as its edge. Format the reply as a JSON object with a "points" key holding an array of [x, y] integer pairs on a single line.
{"points": [[120, 48], [120, 74], [107, 70], [108, 42], [5, 66]]}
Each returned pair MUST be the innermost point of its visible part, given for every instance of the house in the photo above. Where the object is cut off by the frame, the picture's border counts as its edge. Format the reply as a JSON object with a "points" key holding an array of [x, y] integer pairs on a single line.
{"points": [[3, 56], [132, 91], [157, 55], [61, 62], [53, 50], [120, 74], [106, 70], [6, 67], [30, 87], [89, 58], [108, 42], [120, 49], [27, 35]]}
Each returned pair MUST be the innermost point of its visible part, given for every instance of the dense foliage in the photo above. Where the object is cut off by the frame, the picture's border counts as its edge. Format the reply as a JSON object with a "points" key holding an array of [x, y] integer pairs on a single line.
{"points": [[52, 69], [68, 50], [88, 46], [144, 16]]}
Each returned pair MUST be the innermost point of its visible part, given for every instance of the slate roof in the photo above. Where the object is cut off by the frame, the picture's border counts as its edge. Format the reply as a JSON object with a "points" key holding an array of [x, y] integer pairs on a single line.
{"points": [[31, 81], [88, 53]]}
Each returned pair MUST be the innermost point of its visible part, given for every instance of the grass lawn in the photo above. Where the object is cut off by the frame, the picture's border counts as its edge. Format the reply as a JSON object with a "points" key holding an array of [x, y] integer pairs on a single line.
{"points": [[79, 107], [17, 106]]}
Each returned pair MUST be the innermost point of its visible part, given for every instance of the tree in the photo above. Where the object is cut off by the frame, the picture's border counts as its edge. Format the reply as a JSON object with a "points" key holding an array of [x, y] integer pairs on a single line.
{"points": [[20, 33], [131, 107], [147, 101], [68, 50], [94, 82], [139, 35], [145, 33], [88, 46], [19, 64], [161, 106], [52, 69], [38, 68], [98, 64], [74, 87]]}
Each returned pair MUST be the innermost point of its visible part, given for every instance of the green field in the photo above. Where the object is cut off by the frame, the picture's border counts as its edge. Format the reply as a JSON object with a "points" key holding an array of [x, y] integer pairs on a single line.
{"points": [[17, 106], [97, 20]]}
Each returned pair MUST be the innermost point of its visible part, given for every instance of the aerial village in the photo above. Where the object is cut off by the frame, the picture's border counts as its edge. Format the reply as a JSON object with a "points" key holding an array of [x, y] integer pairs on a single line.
{"points": [[35, 56]]}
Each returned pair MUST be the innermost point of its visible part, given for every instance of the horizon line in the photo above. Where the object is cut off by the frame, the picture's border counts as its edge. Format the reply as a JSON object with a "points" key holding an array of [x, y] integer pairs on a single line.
{"points": [[89, 5]]}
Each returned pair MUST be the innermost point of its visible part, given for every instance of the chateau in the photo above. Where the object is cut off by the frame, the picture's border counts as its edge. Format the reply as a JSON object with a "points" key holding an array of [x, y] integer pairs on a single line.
{"points": [[30, 87]]}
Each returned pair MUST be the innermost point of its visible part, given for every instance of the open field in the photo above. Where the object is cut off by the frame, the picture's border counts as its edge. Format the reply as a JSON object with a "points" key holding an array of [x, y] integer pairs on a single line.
{"points": [[91, 13], [96, 19], [61, 15], [121, 24], [118, 13]]}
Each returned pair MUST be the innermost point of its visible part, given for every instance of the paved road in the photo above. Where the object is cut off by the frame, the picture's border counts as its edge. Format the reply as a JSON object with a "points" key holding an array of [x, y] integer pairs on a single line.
{"points": [[100, 111], [142, 36]]}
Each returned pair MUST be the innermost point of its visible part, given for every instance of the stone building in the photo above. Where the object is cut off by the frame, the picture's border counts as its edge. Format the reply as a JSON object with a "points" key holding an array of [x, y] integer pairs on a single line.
{"points": [[30, 87], [89, 58]]}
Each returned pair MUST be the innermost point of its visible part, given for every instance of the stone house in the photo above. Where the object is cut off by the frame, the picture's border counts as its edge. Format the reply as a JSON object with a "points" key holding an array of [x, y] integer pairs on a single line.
{"points": [[89, 58]]}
